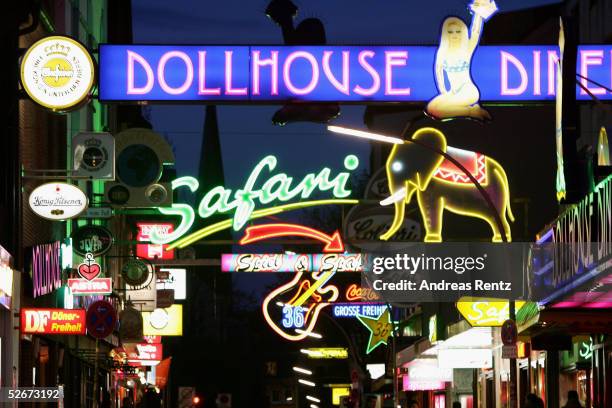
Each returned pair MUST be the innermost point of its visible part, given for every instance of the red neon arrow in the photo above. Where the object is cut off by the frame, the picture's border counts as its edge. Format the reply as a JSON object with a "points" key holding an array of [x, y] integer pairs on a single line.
{"points": [[265, 231]]}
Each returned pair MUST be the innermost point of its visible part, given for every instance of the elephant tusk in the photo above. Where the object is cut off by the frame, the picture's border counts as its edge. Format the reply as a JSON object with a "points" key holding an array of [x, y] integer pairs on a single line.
{"points": [[395, 197]]}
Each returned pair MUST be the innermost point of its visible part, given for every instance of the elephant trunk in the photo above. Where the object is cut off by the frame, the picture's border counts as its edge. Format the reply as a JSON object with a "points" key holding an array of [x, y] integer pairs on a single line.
{"points": [[398, 219]]}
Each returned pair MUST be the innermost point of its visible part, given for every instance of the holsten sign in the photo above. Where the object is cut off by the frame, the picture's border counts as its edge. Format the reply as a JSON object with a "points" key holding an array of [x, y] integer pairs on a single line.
{"points": [[332, 73]]}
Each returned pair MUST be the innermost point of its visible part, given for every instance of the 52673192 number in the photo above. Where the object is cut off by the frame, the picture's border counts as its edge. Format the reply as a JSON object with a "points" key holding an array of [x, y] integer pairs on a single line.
{"points": [[31, 394]]}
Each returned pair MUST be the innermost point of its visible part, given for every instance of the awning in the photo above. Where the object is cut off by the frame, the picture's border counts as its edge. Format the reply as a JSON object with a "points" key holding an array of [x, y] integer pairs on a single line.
{"points": [[572, 321]]}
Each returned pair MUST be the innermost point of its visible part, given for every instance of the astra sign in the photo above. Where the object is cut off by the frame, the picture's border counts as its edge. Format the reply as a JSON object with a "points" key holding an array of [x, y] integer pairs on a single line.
{"points": [[333, 73]]}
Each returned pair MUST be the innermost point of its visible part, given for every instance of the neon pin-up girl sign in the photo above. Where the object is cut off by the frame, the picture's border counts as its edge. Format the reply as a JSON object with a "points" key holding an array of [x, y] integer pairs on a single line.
{"points": [[453, 66], [243, 203]]}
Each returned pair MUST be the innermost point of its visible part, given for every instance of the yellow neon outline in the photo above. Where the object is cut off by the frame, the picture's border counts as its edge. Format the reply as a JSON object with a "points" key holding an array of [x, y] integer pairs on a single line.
{"points": [[219, 226], [315, 314], [374, 340], [491, 166]]}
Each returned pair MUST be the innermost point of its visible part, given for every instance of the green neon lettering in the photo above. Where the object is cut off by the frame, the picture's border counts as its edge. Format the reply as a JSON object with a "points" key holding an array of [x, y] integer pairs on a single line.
{"points": [[184, 211], [277, 187], [245, 197], [222, 204]]}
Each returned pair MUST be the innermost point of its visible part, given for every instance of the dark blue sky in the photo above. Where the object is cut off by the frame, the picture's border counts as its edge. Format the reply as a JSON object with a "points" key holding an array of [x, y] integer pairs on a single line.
{"points": [[299, 147]]}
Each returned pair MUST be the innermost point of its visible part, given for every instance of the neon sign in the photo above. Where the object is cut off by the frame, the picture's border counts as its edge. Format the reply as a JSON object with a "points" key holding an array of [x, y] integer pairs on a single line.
{"points": [[153, 251], [340, 353], [293, 262], [440, 186], [46, 268], [380, 328], [310, 293], [337, 73], [89, 283], [486, 313], [453, 62], [267, 231], [242, 202], [357, 293], [354, 310], [53, 321]]}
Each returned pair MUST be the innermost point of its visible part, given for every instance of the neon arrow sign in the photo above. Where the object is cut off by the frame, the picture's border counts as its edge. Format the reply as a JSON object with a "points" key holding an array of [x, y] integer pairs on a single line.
{"points": [[267, 231], [242, 202]]}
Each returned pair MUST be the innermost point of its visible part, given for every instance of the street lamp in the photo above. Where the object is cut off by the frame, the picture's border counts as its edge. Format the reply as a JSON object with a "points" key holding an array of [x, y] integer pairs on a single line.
{"points": [[302, 370], [313, 399], [306, 382]]}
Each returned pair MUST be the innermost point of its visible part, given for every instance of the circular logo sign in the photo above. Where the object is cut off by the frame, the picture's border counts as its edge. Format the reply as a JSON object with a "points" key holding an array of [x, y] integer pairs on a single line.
{"points": [[58, 201], [159, 319], [57, 72], [135, 272], [92, 239], [101, 319]]}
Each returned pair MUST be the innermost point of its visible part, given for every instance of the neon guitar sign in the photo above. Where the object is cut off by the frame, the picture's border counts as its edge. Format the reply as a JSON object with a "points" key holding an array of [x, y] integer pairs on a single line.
{"points": [[299, 301], [242, 203]]}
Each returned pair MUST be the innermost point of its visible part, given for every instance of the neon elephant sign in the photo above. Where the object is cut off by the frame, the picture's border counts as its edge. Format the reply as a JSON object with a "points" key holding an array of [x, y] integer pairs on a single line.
{"points": [[440, 185]]}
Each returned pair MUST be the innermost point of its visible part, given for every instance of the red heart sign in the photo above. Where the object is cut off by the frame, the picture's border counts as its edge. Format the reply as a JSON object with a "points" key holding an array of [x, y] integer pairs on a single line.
{"points": [[90, 268]]}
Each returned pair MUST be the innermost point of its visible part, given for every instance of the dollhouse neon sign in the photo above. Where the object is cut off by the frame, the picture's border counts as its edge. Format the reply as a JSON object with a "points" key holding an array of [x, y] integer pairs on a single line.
{"points": [[335, 73]]}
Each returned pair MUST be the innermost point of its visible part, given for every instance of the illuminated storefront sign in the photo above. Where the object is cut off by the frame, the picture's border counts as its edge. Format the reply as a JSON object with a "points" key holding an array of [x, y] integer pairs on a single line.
{"points": [[46, 268], [486, 313], [241, 203], [96, 286], [293, 262], [326, 353], [412, 385], [163, 322], [52, 321], [356, 293], [582, 250], [427, 369], [57, 72], [6, 285], [380, 328], [338, 393], [354, 310], [153, 251], [425, 374], [298, 303], [333, 73], [89, 283], [465, 358], [6, 278], [144, 354], [442, 186], [176, 280], [57, 201]]}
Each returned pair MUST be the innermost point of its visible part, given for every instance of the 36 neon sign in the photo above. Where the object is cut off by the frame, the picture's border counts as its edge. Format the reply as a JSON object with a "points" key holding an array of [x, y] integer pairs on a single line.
{"points": [[242, 202]]}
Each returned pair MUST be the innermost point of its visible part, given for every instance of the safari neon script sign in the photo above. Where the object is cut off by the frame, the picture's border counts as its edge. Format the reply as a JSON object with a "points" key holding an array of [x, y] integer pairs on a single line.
{"points": [[256, 191], [334, 73]]}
